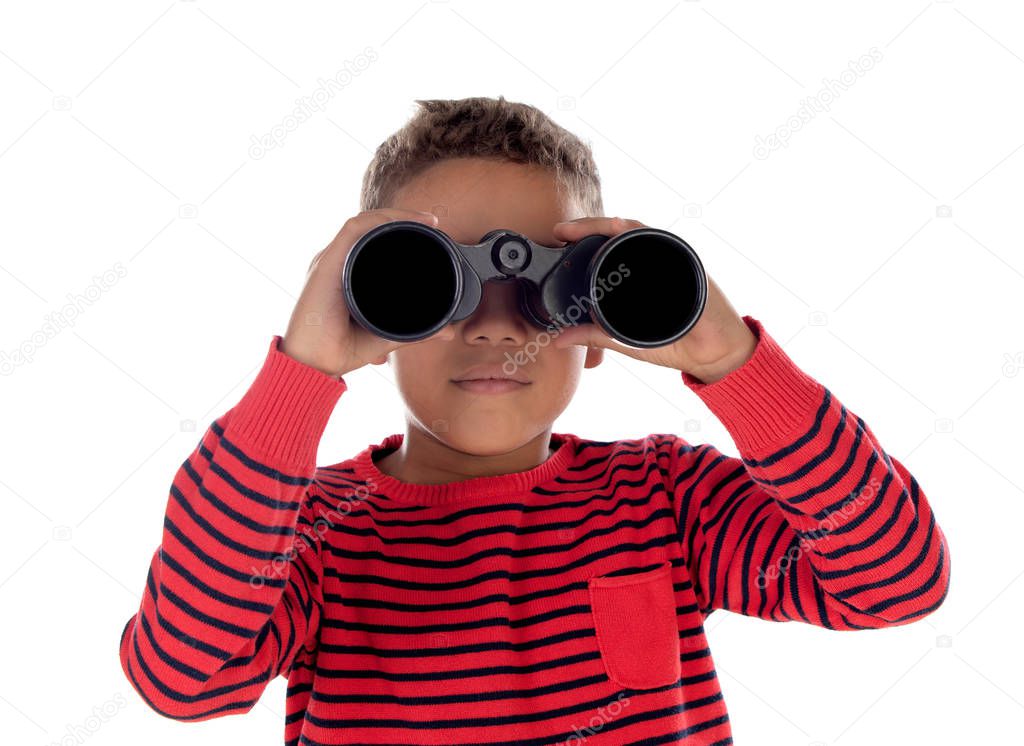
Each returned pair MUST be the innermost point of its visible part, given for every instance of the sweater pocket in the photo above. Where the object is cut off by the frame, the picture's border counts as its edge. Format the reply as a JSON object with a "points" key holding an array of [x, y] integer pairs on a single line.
{"points": [[636, 626]]}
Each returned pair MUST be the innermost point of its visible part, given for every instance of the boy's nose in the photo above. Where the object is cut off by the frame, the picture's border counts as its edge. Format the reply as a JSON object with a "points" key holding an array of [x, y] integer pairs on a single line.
{"points": [[497, 319]]}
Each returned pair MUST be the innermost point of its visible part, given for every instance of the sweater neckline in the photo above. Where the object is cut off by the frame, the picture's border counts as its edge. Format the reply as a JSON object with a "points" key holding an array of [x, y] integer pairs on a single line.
{"points": [[447, 492]]}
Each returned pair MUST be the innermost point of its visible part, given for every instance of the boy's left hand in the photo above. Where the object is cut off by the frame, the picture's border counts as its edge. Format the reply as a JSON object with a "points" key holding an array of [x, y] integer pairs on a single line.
{"points": [[719, 343]]}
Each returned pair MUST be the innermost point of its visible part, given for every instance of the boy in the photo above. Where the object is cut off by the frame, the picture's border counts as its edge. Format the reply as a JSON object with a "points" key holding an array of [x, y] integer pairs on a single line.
{"points": [[480, 579]]}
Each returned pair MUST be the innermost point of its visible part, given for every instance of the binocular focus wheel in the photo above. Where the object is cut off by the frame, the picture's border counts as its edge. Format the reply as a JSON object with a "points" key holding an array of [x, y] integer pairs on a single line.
{"points": [[489, 235]]}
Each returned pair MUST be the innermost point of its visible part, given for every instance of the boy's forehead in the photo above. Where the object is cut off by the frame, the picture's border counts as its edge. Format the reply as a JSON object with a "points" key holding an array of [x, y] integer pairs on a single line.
{"points": [[472, 196]]}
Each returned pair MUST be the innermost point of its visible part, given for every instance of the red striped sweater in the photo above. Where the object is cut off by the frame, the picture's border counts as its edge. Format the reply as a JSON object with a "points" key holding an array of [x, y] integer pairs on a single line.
{"points": [[563, 604]]}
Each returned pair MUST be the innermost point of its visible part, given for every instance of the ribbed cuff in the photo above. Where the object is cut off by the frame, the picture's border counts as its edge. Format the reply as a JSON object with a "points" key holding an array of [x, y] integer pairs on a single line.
{"points": [[765, 401], [285, 411]]}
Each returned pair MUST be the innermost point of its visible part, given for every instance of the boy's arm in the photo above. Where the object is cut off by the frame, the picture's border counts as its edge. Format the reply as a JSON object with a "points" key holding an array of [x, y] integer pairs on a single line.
{"points": [[814, 522], [232, 593]]}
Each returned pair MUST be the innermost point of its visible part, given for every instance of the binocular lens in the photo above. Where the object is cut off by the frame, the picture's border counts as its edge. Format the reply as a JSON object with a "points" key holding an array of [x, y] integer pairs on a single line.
{"points": [[404, 282], [648, 289]]}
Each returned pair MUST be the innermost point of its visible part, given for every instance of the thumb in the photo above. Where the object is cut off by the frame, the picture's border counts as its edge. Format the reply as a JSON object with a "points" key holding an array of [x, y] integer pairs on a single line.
{"points": [[583, 334]]}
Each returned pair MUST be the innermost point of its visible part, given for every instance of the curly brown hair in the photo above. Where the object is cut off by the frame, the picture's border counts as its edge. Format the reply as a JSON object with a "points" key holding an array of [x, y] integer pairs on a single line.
{"points": [[484, 128]]}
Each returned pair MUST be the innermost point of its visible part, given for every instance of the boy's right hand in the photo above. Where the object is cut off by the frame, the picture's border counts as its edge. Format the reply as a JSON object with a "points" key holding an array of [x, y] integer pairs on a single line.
{"points": [[321, 333]]}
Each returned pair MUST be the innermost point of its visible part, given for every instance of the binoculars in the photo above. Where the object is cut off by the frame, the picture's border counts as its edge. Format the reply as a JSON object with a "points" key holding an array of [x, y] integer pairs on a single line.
{"points": [[404, 281]]}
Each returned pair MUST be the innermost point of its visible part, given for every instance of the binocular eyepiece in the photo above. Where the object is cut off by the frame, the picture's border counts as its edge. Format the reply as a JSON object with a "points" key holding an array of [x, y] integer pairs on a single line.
{"points": [[404, 281]]}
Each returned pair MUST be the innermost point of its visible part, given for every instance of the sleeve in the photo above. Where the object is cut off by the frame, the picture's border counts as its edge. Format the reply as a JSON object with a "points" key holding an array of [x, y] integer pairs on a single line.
{"points": [[814, 522], [233, 594]]}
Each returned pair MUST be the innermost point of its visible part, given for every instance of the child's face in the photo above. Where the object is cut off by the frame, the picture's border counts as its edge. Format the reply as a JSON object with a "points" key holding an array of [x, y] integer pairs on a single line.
{"points": [[472, 196]]}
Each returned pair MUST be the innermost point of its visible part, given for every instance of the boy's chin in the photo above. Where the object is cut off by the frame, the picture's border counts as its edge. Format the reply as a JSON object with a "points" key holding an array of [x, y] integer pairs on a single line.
{"points": [[485, 440]]}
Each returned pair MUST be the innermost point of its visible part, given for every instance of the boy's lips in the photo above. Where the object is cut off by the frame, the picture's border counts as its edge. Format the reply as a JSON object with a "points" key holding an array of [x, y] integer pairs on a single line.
{"points": [[490, 378], [488, 371], [490, 385]]}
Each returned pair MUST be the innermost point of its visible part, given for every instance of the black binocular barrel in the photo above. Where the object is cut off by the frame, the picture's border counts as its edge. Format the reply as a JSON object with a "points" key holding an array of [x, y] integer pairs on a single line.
{"points": [[402, 283], [649, 287]]}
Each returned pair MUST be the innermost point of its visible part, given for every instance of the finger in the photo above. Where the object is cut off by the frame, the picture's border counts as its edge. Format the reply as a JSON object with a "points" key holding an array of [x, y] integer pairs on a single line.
{"points": [[333, 256], [364, 221], [580, 227], [401, 213], [359, 224], [445, 334], [588, 335]]}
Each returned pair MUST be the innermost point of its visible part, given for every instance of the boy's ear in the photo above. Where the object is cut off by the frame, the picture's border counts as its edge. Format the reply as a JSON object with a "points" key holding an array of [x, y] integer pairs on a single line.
{"points": [[594, 357]]}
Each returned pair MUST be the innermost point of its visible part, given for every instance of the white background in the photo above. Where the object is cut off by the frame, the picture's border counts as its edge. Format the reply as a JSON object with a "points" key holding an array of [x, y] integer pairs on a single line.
{"points": [[882, 246]]}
